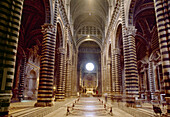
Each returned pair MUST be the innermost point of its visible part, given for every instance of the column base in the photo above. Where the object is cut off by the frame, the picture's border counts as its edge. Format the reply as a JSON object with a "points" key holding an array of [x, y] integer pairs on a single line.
{"points": [[116, 98], [132, 102], [59, 100], [168, 106], [4, 114], [60, 97], [43, 104]]}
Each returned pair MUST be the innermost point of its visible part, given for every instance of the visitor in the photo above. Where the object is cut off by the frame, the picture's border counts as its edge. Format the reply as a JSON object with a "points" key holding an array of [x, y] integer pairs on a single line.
{"points": [[105, 95]]}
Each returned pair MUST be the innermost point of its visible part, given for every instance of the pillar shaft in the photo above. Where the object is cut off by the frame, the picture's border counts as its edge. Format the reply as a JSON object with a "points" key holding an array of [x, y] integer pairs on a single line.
{"points": [[162, 16], [108, 76], [10, 19], [151, 80], [105, 79], [45, 90], [113, 73], [68, 79], [22, 78], [129, 49], [60, 91], [117, 69], [131, 73], [16, 82]]}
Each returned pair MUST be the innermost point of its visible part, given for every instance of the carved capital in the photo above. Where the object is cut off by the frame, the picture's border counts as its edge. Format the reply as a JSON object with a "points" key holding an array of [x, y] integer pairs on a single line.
{"points": [[108, 62], [48, 28], [130, 30], [116, 51], [61, 51], [68, 61]]}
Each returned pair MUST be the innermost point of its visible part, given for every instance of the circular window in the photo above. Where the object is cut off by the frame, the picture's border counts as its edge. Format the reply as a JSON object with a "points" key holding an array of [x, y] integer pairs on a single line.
{"points": [[89, 66]]}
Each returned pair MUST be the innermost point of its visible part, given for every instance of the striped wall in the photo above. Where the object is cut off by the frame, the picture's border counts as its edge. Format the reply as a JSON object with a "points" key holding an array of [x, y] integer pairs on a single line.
{"points": [[45, 89], [162, 10], [10, 19]]}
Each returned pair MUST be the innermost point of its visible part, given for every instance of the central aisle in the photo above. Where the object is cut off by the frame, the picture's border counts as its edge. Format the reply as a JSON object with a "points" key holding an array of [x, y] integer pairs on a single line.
{"points": [[88, 107]]}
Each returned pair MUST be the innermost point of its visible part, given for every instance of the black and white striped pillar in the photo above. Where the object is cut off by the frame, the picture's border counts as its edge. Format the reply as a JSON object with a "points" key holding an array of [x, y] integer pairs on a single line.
{"points": [[45, 90], [113, 73], [117, 68], [22, 79], [68, 79], [151, 80], [162, 10], [10, 19], [108, 78], [131, 72], [60, 90]]}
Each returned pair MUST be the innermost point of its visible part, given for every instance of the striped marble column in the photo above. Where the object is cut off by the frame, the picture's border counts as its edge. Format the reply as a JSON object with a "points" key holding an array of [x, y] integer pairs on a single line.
{"points": [[10, 19], [22, 79], [60, 91], [16, 79], [151, 80], [64, 74], [45, 90], [131, 72], [108, 80], [125, 47], [102, 70], [104, 79], [113, 73], [68, 79], [117, 68], [162, 11], [130, 64]]}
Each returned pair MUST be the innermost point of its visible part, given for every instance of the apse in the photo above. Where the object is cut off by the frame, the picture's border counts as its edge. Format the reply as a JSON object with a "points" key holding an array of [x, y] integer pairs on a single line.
{"points": [[89, 67]]}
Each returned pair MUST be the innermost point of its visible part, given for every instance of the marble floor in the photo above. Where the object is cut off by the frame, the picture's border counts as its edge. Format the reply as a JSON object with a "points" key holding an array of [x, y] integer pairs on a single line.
{"points": [[88, 107], [81, 107]]}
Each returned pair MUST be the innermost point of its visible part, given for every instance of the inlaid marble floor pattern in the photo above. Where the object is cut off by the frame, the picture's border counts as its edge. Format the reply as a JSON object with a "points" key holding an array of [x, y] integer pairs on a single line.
{"points": [[88, 107]]}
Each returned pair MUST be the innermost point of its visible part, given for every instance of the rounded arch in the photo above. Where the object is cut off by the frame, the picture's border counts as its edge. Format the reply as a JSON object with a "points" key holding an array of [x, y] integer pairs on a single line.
{"points": [[60, 27], [20, 51], [135, 7], [68, 51], [48, 10], [59, 36], [117, 26], [118, 38], [109, 52], [88, 39], [32, 74], [154, 52]]}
